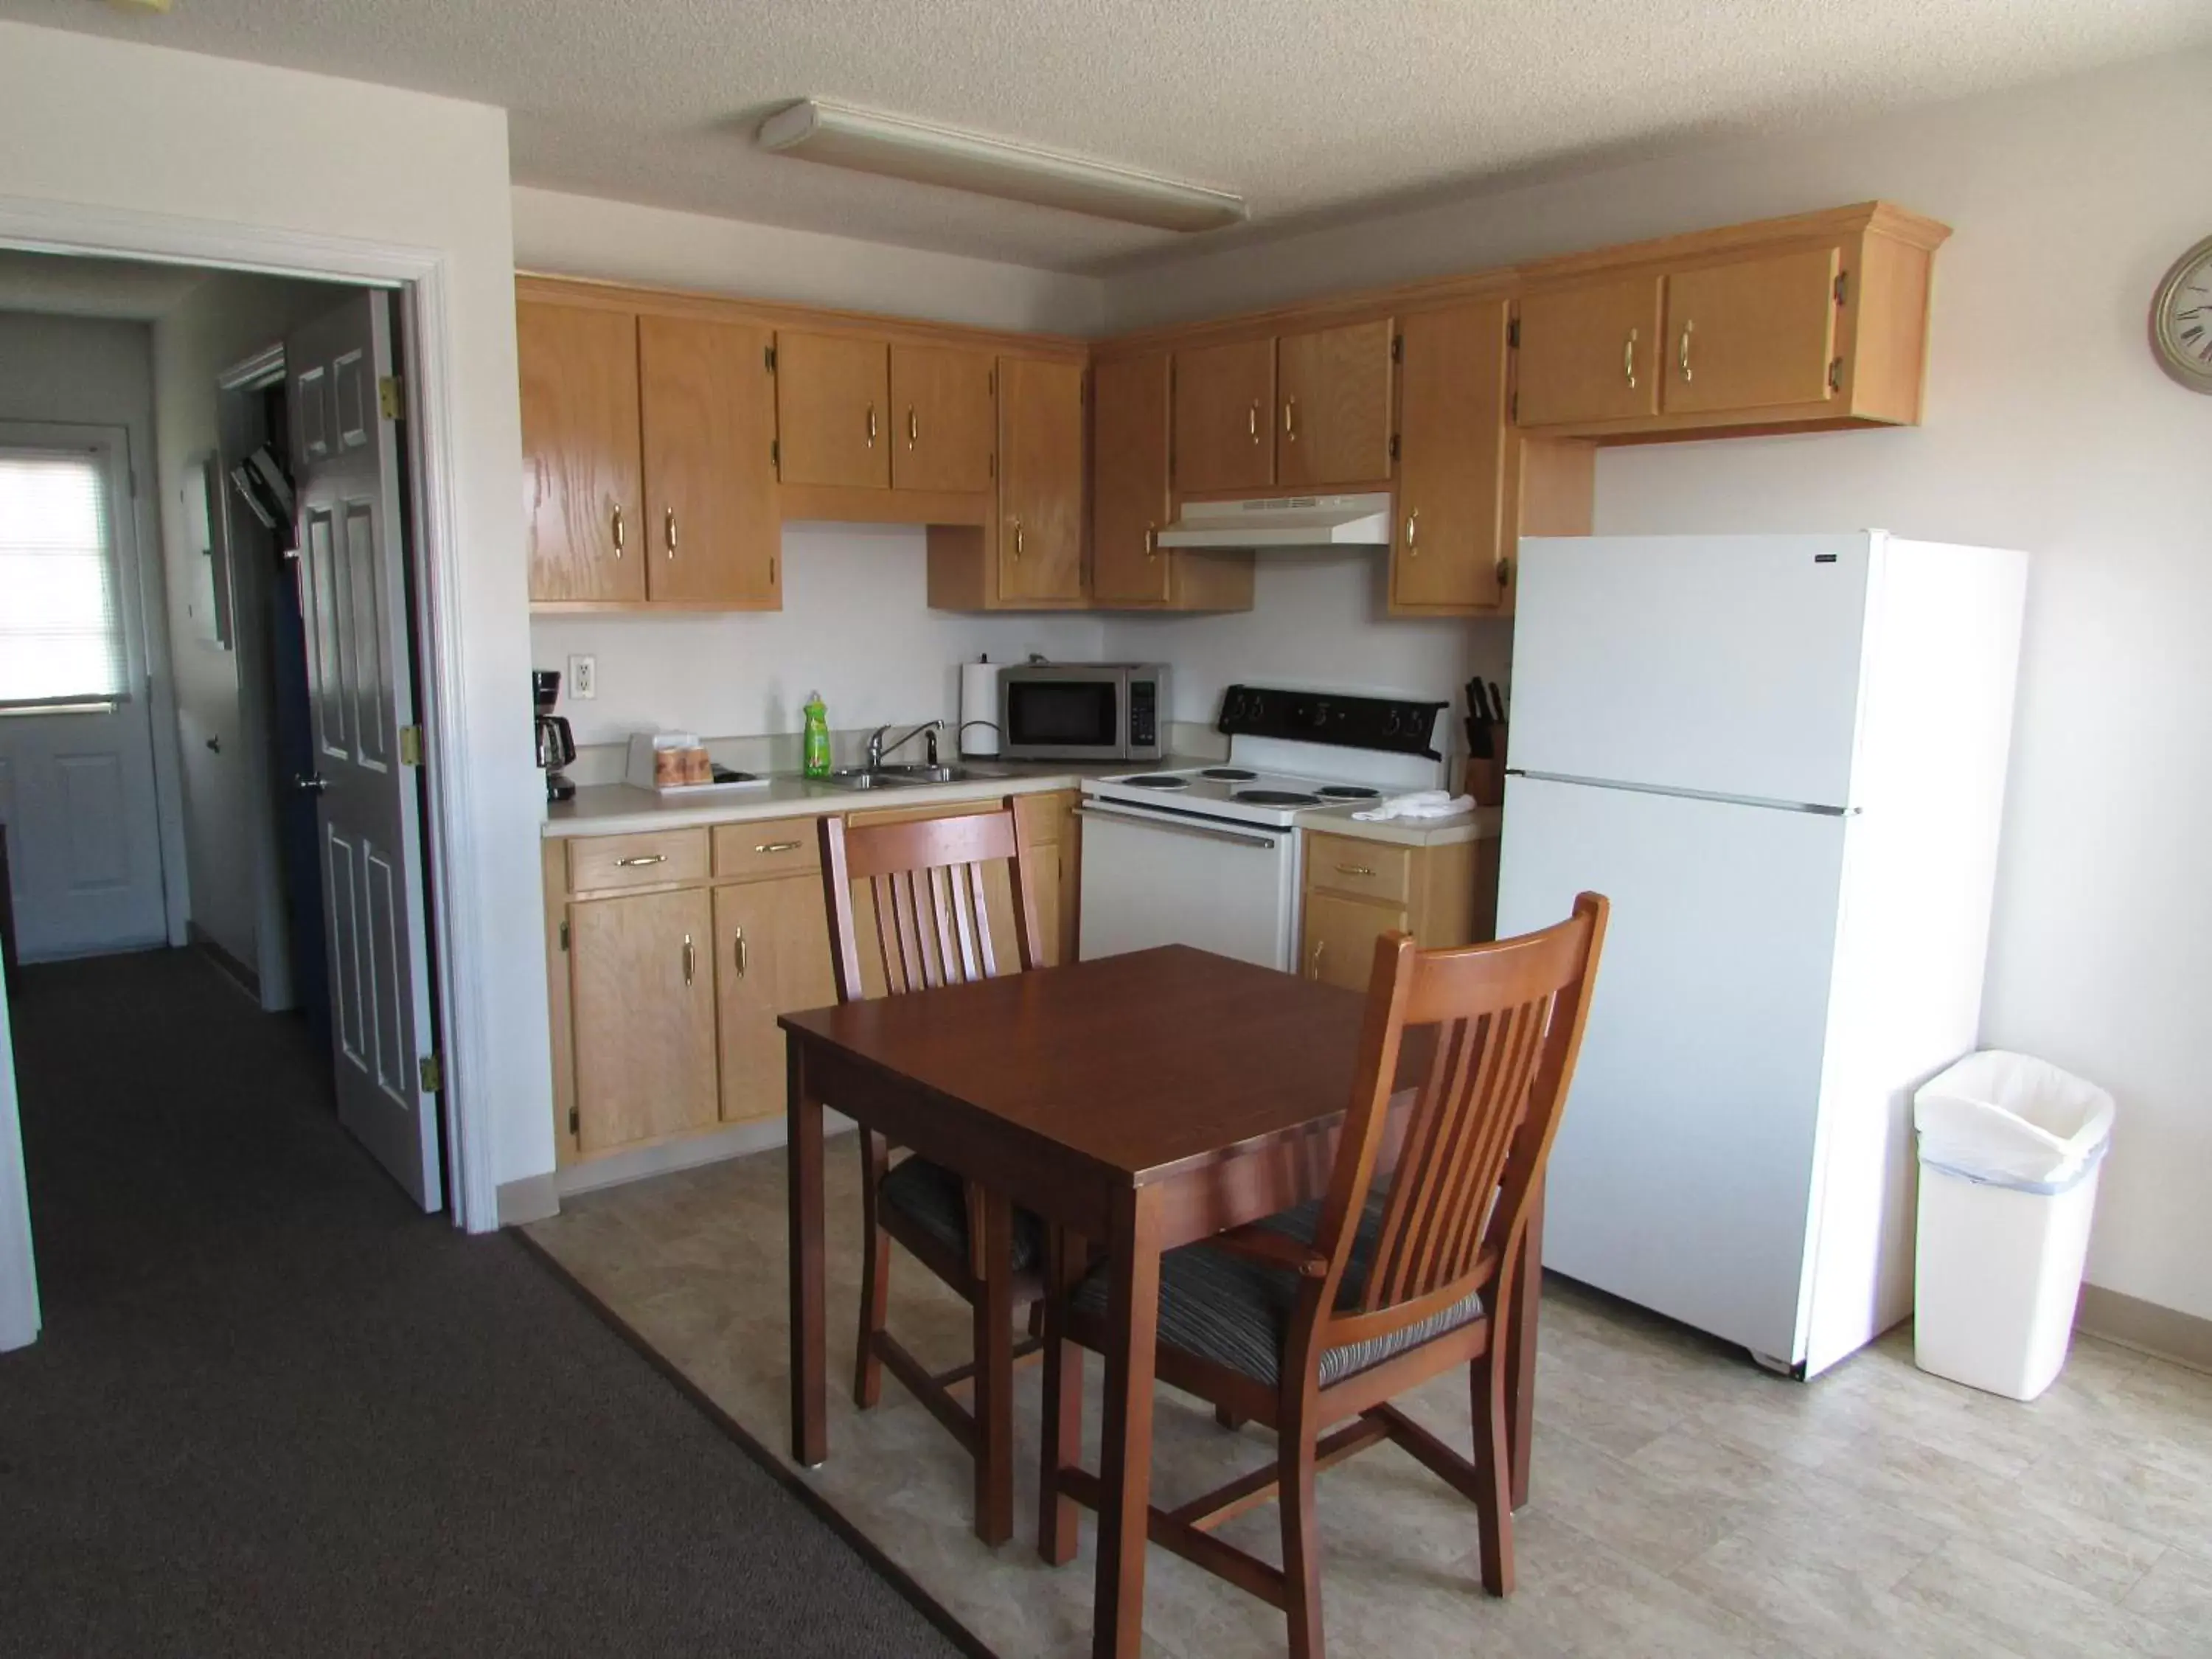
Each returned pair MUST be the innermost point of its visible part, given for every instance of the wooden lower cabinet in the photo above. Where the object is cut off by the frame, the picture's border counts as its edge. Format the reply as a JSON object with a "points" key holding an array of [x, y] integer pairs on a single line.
{"points": [[771, 956], [1357, 890], [642, 992]]}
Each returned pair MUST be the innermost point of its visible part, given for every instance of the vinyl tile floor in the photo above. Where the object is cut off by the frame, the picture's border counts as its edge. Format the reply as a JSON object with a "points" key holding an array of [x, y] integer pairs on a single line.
{"points": [[1683, 1502]]}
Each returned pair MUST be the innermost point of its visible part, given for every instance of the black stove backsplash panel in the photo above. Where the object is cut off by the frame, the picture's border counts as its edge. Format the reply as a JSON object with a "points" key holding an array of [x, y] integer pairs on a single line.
{"points": [[1390, 724]]}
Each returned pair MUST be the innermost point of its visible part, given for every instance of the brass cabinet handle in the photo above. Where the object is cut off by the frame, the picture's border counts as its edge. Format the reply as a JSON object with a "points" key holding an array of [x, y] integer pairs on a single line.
{"points": [[871, 426], [1353, 869], [1628, 357], [1683, 356], [1017, 539], [1413, 530], [690, 959], [640, 861], [1505, 571], [1313, 968], [913, 428], [777, 846], [1290, 419], [668, 530], [1253, 422], [619, 537], [741, 953], [1151, 542]]}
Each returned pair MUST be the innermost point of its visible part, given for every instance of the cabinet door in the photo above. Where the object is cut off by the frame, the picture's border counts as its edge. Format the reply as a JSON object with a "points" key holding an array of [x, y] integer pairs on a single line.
{"points": [[772, 956], [942, 417], [582, 503], [1753, 334], [712, 529], [833, 410], [1451, 529], [1339, 947], [1224, 400], [1590, 353], [1333, 417], [1129, 480], [641, 995], [1040, 479]]}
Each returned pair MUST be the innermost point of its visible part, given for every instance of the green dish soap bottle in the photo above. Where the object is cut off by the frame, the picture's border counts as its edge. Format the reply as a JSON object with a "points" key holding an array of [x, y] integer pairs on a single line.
{"points": [[818, 736]]}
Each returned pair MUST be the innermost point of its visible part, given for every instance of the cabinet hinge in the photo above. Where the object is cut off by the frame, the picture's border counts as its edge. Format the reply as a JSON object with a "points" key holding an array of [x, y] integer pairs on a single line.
{"points": [[391, 397], [434, 1074], [991, 381], [768, 356], [994, 463], [1513, 335], [1513, 408], [1843, 285], [575, 1122], [775, 454], [771, 570], [1836, 374], [410, 745], [1397, 348], [564, 935], [1394, 446]]}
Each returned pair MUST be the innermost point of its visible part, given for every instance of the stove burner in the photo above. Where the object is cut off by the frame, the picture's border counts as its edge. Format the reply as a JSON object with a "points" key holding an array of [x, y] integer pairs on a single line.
{"points": [[1158, 781], [1348, 791], [1229, 774], [1275, 798]]}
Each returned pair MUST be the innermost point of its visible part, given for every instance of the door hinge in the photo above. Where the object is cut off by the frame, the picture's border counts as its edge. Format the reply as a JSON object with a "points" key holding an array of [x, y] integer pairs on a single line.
{"points": [[1513, 335], [768, 356], [1394, 446], [1843, 285], [1397, 348], [1836, 374], [575, 1122], [564, 934], [434, 1074], [391, 397], [410, 745]]}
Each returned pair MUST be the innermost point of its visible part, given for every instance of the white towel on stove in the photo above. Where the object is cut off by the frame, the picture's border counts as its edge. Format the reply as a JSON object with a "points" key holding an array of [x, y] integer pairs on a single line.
{"points": [[1421, 803]]}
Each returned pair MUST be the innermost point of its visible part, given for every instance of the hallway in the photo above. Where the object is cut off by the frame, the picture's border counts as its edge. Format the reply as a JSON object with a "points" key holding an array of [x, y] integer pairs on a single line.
{"points": [[275, 1410]]}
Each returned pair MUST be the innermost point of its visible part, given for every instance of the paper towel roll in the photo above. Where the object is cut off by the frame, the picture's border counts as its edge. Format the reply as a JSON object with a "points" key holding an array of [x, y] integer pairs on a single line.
{"points": [[979, 708]]}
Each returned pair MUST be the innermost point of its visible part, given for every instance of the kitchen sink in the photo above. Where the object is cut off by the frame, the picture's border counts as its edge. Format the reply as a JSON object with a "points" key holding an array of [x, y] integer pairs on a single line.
{"points": [[887, 777]]}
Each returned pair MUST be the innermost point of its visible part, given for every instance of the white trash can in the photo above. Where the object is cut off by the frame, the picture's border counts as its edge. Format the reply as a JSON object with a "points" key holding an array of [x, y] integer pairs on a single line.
{"points": [[2009, 1149]]}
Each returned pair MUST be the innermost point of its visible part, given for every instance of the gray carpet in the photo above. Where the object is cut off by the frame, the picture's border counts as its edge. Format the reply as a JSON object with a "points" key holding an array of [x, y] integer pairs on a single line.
{"points": [[276, 1411]]}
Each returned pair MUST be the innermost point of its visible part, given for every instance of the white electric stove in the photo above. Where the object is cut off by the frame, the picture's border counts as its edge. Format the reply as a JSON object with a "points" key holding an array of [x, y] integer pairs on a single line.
{"points": [[1213, 856]]}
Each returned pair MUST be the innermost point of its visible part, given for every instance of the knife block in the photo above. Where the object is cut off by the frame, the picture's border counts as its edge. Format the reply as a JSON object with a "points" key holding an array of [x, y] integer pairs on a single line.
{"points": [[1484, 779]]}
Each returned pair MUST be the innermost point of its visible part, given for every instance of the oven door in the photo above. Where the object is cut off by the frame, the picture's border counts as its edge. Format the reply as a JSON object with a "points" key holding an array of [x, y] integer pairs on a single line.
{"points": [[1155, 879], [1063, 713]]}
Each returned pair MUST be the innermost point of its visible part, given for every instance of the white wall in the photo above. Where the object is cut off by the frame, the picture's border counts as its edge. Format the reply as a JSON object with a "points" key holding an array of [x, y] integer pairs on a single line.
{"points": [[100, 371], [585, 236], [2048, 427], [223, 319], [126, 127]]}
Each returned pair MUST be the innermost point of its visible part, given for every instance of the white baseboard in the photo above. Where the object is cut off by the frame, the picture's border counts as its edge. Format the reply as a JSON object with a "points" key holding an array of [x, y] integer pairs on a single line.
{"points": [[2146, 1326], [663, 1157]]}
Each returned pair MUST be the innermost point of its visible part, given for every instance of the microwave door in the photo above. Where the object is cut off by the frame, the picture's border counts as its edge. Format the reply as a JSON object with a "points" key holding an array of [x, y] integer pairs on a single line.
{"points": [[1068, 717]]}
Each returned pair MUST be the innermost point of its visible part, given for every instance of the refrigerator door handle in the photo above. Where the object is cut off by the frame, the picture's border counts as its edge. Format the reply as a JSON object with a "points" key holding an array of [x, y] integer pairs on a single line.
{"points": [[1816, 808]]}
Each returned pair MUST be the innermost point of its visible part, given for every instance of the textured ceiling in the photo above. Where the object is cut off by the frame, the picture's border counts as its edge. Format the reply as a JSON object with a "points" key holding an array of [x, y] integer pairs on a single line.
{"points": [[1316, 113], [58, 284]]}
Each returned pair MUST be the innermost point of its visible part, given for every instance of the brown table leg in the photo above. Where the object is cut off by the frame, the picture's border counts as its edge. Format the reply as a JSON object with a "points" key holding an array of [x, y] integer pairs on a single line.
{"points": [[993, 1308], [810, 1427], [1062, 1437], [1521, 1371], [1125, 1453]]}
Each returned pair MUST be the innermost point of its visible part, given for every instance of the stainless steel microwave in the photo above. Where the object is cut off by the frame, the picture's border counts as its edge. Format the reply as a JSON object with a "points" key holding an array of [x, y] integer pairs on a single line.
{"points": [[1083, 711]]}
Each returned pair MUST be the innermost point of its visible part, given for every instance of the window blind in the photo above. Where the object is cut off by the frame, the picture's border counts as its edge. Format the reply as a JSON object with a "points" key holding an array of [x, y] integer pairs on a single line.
{"points": [[61, 631]]}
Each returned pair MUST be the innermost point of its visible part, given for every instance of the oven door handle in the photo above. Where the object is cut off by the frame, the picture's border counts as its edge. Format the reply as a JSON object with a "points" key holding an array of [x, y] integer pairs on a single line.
{"points": [[1204, 831]]}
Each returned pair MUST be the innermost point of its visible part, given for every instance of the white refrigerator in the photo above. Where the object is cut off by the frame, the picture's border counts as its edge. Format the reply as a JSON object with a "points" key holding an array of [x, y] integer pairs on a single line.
{"points": [[1783, 758]]}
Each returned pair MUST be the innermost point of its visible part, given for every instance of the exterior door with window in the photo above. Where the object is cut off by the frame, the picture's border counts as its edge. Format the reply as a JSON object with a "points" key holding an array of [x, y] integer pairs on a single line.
{"points": [[360, 684], [76, 750]]}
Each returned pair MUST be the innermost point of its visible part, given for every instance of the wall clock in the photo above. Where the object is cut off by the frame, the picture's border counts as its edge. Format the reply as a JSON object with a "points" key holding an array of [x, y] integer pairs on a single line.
{"points": [[2181, 319]]}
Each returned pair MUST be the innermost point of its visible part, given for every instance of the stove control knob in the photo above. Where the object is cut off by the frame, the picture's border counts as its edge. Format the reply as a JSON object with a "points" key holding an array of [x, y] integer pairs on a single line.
{"points": [[1390, 723]]}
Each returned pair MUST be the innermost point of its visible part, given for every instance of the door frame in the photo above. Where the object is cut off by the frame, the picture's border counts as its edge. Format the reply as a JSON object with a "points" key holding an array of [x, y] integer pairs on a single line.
{"points": [[459, 930]]}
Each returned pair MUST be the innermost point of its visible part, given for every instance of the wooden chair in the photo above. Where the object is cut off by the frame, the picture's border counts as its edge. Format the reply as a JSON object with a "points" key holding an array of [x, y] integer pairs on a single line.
{"points": [[932, 927], [1330, 1311]]}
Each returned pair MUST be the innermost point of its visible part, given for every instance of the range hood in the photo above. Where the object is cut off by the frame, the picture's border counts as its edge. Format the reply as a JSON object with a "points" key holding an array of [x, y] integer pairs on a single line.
{"points": [[1284, 521]]}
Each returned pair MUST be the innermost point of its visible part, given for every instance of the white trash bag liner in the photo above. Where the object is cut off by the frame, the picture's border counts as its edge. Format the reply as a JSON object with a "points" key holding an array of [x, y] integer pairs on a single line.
{"points": [[2007, 1119]]}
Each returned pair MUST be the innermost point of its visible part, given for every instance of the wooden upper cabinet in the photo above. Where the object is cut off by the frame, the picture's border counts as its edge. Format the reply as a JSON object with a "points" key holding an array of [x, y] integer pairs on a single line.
{"points": [[833, 406], [1590, 353], [1333, 418], [1451, 531], [942, 415], [1129, 400], [1225, 418], [583, 500], [713, 532], [1039, 480], [1752, 334]]}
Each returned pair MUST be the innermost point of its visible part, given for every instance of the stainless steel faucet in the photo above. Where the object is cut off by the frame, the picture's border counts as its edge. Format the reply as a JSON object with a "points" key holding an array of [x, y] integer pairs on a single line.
{"points": [[877, 748]]}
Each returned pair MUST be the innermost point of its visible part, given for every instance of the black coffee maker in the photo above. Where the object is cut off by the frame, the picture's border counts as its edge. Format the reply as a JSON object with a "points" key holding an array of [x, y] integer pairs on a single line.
{"points": [[556, 745]]}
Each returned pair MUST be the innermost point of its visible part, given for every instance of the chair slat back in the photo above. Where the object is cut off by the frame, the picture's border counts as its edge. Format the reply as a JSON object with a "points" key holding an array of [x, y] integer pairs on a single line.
{"points": [[1507, 1021], [925, 877]]}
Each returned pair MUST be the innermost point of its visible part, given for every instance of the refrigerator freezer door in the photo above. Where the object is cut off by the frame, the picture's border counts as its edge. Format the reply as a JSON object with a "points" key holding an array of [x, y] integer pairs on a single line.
{"points": [[1718, 664], [1682, 1175]]}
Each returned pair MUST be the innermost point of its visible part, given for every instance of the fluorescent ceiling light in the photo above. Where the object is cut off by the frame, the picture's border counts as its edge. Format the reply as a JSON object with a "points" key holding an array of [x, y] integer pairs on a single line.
{"points": [[872, 143]]}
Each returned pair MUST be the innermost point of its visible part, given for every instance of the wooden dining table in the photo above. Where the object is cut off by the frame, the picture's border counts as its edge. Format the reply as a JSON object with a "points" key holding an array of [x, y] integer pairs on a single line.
{"points": [[1141, 1102]]}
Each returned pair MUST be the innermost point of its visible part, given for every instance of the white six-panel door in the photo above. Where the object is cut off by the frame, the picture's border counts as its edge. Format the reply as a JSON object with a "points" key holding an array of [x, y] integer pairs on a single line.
{"points": [[352, 583]]}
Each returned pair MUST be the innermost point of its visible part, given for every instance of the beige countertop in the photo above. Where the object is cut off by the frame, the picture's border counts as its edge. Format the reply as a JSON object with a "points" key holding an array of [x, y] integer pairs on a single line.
{"points": [[617, 809]]}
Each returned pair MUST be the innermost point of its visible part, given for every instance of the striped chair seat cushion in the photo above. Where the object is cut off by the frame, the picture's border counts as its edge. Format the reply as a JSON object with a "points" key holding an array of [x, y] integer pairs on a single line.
{"points": [[935, 1199], [1237, 1312]]}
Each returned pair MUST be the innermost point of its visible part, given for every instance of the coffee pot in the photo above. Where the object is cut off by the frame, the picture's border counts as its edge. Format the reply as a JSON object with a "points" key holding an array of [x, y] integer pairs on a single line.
{"points": [[556, 745]]}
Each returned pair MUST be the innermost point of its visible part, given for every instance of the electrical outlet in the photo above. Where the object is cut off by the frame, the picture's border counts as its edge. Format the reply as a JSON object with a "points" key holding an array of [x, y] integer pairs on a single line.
{"points": [[583, 677]]}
